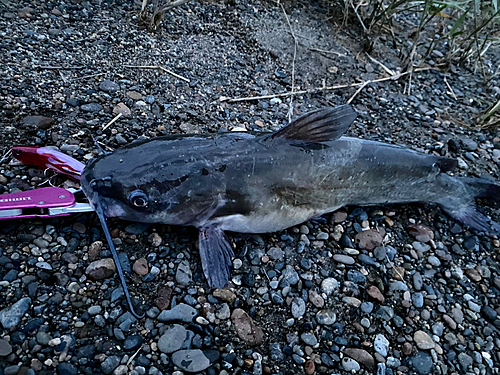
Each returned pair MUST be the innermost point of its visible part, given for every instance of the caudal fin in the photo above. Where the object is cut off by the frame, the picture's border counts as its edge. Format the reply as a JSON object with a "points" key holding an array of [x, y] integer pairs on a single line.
{"points": [[465, 210]]}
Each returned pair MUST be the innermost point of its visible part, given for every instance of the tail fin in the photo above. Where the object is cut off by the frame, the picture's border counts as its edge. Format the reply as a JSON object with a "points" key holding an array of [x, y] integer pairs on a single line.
{"points": [[465, 211]]}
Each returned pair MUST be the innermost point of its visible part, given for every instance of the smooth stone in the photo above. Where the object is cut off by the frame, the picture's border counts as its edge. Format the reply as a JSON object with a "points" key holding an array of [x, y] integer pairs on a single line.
{"points": [[246, 329], [181, 312], [361, 356], [172, 339], [421, 363], [326, 317], [423, 340], [11, 316], [298, 307], [381, 345], [329, 285], [183, 275], [344, 259], [194, 360], [5, 348]]}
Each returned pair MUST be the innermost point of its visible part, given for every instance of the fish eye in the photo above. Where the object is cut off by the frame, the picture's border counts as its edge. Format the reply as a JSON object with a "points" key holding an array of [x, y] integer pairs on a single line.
{"points": [[138, 198]]}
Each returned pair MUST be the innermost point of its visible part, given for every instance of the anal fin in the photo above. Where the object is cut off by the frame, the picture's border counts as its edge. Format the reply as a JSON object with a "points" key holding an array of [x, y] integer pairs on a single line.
{"points": [[215, 253], [471, 217]]}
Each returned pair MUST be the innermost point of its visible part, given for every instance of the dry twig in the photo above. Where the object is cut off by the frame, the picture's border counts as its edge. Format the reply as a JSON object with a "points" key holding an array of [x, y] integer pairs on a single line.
{"points": [[319, 89], [112, 121], [450, 88], [391, 72], [290, 110], [158, 67]]}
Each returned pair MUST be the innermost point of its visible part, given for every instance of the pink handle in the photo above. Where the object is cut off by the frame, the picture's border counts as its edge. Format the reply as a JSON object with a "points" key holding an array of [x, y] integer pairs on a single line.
{"points": [[38, 200], [45, 157]]}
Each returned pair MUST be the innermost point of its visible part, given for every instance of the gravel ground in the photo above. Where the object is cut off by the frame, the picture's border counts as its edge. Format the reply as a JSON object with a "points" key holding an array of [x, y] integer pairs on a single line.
{"points": [[385, 290]]}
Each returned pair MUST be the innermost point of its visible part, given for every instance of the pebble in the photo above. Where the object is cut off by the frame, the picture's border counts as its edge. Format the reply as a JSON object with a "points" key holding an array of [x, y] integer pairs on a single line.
{"points": [[369, 239], [423, 340], [381, 345], [350, 365], [41, 122], [183, 276], [361, 356], [91, 107], [172, 339], [109, 364], [309, 339], [181, 312], [194, 360], [316, 299], [109, 86], [329, 285], [326, 317], [133, 342], [298, 307], [344, 259], [417, 300], [375, 293], [5, 347], [94, 310], [465, 361], [140, 267], [421, 363], [101, 269], [246, 329], [290, 276], [10, 317]]}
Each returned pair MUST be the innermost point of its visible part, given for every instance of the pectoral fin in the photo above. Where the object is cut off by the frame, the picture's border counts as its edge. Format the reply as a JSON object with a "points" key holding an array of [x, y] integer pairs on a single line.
{"points": [[215, 254]]}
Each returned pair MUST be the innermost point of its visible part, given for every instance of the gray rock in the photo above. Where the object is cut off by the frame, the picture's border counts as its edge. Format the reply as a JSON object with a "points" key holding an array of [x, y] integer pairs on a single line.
{"points": [[329, 285], [91, 107], [194, 360], [290, 276], [181, 312], [326, 317], [94, 310], [109, 86], [276, 352], [469, 144], [367, 307], [309, 339], [417, 300], [421, 363], [397, 286], [11, 370], [465, 361], [183, 276], [172, 339], [350, 365], [298, 307], [344, 259], [434, 261], [385, 313], [418, 282], [381, 345], [5, 348], [66, 368], [419, 246], [11, 316], [438, 328], [110, 364]]}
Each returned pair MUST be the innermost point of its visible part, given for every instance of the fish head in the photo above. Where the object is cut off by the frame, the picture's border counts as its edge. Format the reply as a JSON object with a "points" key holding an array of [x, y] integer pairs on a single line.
{"points": [[117, 193], [150, 192]]}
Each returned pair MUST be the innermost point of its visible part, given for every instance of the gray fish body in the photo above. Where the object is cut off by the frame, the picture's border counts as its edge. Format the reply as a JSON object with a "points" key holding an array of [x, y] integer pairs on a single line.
{"points": [[254, 184]]}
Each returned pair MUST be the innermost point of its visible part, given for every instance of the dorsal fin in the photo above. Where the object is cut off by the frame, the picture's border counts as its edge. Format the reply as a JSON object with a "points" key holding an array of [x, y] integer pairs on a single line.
{"points": [[321, 125]]}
